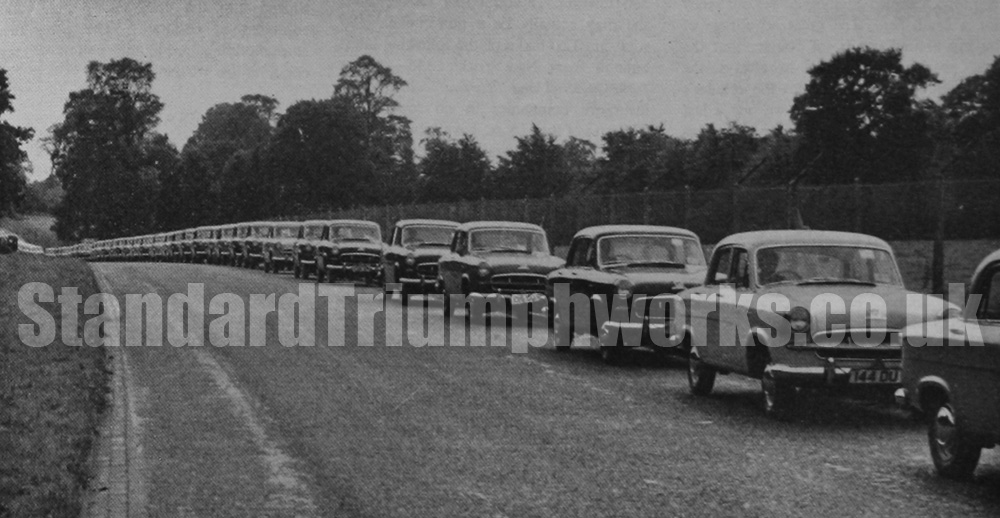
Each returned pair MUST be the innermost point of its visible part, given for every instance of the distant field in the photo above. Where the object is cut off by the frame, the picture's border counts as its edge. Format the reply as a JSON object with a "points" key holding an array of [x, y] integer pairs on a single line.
{"points": [[33, 228]]}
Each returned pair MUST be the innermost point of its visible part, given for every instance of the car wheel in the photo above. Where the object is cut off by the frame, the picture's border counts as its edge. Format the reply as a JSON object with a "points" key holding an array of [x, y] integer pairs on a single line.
{"points": [[953, 454], [701, 377], [778, 397]]}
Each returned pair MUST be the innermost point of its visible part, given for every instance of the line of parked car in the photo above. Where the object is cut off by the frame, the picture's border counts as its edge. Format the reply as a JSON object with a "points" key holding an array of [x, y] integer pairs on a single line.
{"points": [[958, 388]]}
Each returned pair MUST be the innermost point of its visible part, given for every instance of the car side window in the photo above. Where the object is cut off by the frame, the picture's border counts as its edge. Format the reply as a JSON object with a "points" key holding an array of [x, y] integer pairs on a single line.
{"points": [[989, 308], [722, 263], [578, 252], [458, 244], [741, 268]]}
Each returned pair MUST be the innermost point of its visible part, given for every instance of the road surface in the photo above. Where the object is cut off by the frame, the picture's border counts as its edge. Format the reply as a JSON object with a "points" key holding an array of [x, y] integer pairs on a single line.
{"points": [[480, 431]]}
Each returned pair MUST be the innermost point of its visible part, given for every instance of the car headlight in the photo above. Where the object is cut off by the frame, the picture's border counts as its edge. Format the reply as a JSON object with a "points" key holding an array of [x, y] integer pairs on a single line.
{"points": [[798, 317], [334, 251], [410, 260], [484, 270], [624, 289]]}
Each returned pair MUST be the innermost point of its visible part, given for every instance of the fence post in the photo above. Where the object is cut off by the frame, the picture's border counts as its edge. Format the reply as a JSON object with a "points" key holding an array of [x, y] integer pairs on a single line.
{"points": [[857, 205], [524, 210], [645, 208], [734, 204], [687, 206], [937, 268]]}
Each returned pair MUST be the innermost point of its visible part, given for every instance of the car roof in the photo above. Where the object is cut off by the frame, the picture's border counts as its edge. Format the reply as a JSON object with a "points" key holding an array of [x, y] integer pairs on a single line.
{"points": [[434, 222], [762, 238], [340, 222], [603, 230], [475, 225]]}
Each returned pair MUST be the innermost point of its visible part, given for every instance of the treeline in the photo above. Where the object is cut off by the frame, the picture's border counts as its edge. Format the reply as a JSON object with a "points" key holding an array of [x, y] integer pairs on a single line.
{"points": [[862, 116]]}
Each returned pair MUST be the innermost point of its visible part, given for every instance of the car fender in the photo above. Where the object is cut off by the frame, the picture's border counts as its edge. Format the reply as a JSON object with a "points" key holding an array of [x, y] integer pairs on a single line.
{"points": [[926, 384]]}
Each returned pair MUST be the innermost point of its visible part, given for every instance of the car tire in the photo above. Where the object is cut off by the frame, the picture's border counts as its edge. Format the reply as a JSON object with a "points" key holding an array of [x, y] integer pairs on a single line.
{"points": [[701, 377], [777, 398], [954, 455]]}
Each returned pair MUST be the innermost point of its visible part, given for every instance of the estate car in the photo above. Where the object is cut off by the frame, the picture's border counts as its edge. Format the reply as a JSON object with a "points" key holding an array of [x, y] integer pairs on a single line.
{"points": [[951, 375], [502, 258], [801, 309], [411, 259], [350, 250], [636, 263]]}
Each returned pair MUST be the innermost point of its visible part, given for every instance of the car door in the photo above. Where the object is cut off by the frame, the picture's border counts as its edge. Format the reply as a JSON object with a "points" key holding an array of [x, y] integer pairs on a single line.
{"points": [[975, 370], [448, 265], [732, 338], [703, 307]]}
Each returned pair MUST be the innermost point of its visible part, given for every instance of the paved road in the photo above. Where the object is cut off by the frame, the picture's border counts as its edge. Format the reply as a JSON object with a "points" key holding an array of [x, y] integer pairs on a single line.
{"points": [[480, 431]]}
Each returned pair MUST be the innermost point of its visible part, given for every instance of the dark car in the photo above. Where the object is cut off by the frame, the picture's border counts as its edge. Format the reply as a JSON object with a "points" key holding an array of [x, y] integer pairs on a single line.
{"points": [[797, 309], [349, 250], [411, 258], [634, 262], [951, 375], [502, 258], [254, 236], [279, 246]]}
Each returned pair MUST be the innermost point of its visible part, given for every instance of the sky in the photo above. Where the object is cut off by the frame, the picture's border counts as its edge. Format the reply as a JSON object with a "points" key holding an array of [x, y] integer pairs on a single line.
{"points": [[491, 69]]}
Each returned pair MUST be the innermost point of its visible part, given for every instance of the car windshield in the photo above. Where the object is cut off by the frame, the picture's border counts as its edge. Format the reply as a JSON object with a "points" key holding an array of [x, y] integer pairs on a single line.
{"points": [[355, 233], [261, 231], [644, 249], [312, 232], [509, 240], [419, 235], [826, 265], [285, 231], [204, 234]]}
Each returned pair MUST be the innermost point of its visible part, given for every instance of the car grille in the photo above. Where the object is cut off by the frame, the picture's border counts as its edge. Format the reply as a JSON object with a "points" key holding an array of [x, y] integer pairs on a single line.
{"points": [[518, 283], [427, 270], [360, 258], [888, 349]]}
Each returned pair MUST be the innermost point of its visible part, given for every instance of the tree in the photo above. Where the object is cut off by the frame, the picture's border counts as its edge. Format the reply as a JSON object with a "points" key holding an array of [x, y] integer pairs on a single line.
{"points": [[318, 158], [370, 88], [206, 194], [107, 155], [535, 169], [12, 157], [859, 117], [971, 130], [719, 157], [639, 159], [452, 170]]}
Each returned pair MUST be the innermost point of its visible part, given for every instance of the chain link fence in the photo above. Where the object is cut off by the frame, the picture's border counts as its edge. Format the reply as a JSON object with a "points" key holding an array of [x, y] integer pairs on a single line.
{"points": [[894, 212]]}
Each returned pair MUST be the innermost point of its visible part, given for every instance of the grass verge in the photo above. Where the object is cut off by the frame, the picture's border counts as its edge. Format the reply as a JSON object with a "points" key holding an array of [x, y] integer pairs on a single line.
{"points": [[33, 228], [50, 397]]}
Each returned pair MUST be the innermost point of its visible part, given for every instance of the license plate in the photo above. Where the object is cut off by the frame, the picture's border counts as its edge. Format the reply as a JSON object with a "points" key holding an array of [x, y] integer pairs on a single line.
{"points": [[525, 298], [870, 376]]}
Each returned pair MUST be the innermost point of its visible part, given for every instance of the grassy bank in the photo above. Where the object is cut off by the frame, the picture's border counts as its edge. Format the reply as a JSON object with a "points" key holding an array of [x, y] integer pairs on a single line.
{"points": [[33, 228], [50, 398]]}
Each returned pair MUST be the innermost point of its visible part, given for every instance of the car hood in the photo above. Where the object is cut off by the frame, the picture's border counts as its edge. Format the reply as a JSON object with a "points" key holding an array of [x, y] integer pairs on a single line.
{"points": [[657, 280], [366, 247], [898, 313], [521, 263], [427, 253]]}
